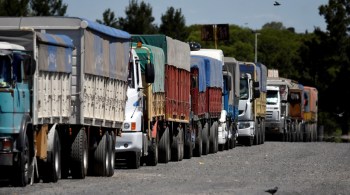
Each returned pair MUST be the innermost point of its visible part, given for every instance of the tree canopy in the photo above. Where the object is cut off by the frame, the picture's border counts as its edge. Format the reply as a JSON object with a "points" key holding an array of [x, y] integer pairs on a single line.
{"points": [[32, 8]]}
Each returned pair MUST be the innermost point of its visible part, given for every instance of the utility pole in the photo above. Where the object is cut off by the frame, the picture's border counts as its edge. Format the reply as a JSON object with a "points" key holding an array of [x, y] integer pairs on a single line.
{"points": [[256, 47]]}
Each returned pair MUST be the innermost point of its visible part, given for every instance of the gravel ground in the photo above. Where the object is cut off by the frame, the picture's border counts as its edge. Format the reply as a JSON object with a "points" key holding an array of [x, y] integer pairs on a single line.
{"points": [[295, 168]]}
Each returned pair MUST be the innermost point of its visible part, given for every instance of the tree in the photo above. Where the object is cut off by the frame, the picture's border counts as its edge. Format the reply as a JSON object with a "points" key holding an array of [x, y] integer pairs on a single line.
{"points": [[14, 7], [274, 25], [48, 8], [138, 19], [109, 19], [337, 16], [173, 24]]}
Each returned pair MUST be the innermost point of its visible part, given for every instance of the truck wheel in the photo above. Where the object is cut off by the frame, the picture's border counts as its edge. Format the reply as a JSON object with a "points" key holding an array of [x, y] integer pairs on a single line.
{"points": [[205, 139], [21, 176], [188, 146], [175, 146], [197, 152], [216, 136], [212, 139], [134, 160], [256, 135], [53, 165], [232, 140], [164, 147], [112, 154], [182, 145], [152, 158], [101, 160], [249, 141], [79, 155]]}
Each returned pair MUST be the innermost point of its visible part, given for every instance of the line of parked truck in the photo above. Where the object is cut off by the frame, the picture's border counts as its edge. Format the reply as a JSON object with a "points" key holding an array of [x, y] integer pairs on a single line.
{"points": [[75, 96]]}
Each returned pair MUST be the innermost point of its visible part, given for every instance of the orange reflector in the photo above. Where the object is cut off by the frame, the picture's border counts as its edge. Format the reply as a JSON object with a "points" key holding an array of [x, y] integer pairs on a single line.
{"points": [[133, 126], [70, 131]]}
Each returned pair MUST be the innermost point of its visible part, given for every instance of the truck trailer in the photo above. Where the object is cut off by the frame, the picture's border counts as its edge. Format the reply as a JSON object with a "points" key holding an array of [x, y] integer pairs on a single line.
{"points": [[206, 99], [75, 121]]}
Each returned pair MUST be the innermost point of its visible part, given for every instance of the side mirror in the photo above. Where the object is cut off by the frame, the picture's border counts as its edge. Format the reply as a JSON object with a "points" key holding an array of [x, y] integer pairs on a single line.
{"points": [[256, 84], [149, 73], [29, 65]]}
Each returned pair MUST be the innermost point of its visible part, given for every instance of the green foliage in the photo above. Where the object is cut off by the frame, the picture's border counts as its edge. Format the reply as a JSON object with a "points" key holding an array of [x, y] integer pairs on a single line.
{"points": [[48, 8], [109, 19], [139, 19], [173, 24], [14, 7]]}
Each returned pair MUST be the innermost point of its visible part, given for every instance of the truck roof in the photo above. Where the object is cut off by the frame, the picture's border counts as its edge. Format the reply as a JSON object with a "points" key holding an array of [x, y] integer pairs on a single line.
{"points": [[59, 22], [10, 46]]}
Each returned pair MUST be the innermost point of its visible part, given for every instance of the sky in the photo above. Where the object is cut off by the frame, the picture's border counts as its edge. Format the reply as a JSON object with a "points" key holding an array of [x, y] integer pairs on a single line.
{"points": [[301, 14]]}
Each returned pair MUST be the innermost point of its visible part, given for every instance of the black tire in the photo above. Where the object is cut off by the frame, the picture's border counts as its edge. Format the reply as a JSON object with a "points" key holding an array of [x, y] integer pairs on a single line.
{"points": [[232, 140], [216, 138], [249, 141], [164, 147], [152, 158], [212, 139], [101, 160], [197, 152], [221, 147], [79, 156], [205, 140], [53, 165], [256, 135], [182, 145], [134, 160], [111, 154], [21, 176], [176, 145], [188, 146]]}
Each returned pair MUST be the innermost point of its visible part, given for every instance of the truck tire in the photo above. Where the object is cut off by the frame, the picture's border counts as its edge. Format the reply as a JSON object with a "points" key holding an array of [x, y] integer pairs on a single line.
{"points": [[134, 160], [79, 155], [213, 142], [53, 165], [256, 135], [176, 145], [216, 144], [232, 140], [101, 160], [112, 154], [188, 146], [205, 140], [164, 147], [182, 145], [152, 158], [21, 176], [197, 152], [249, 140]]}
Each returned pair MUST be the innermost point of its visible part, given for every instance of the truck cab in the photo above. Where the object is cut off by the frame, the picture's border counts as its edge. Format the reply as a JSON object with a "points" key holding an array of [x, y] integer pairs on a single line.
{"points": [[135, 138], [274, 113], [15, 150]]}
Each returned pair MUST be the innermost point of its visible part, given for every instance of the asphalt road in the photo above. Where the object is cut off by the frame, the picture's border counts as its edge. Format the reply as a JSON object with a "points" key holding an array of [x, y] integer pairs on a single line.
{"points": [[295, 168]]}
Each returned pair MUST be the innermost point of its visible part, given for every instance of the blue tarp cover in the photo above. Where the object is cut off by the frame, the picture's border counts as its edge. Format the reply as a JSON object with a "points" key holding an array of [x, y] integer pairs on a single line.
{"points": [[213, 71], [199, 63]]}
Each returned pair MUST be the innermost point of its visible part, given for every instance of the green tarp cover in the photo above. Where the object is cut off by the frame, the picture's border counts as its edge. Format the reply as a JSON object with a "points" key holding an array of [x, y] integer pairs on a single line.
{"points": [[157, 58]]}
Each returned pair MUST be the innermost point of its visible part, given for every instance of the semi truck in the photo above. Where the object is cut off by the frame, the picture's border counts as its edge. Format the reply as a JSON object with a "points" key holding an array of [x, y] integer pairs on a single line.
{"points": [[283, 111], [35, 68], [206, 99], [138, 143], [252, 103], [168, 98], [291, 109], [229, 114], [72, 119]]}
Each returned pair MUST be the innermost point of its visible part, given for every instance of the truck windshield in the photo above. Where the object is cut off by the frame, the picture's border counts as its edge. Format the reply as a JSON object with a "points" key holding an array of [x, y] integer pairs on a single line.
{"points": [[5, 71], [244, 89], [272, 97]]}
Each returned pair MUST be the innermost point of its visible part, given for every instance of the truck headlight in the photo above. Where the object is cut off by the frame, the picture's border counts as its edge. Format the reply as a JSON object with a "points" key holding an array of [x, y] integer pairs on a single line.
{"points": [[126, 126]]}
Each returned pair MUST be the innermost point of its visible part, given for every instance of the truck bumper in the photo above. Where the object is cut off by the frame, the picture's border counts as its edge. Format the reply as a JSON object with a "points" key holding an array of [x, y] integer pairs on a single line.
{"points": [[246, 128], [129, 142], [222, 135], [273, 127]]}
